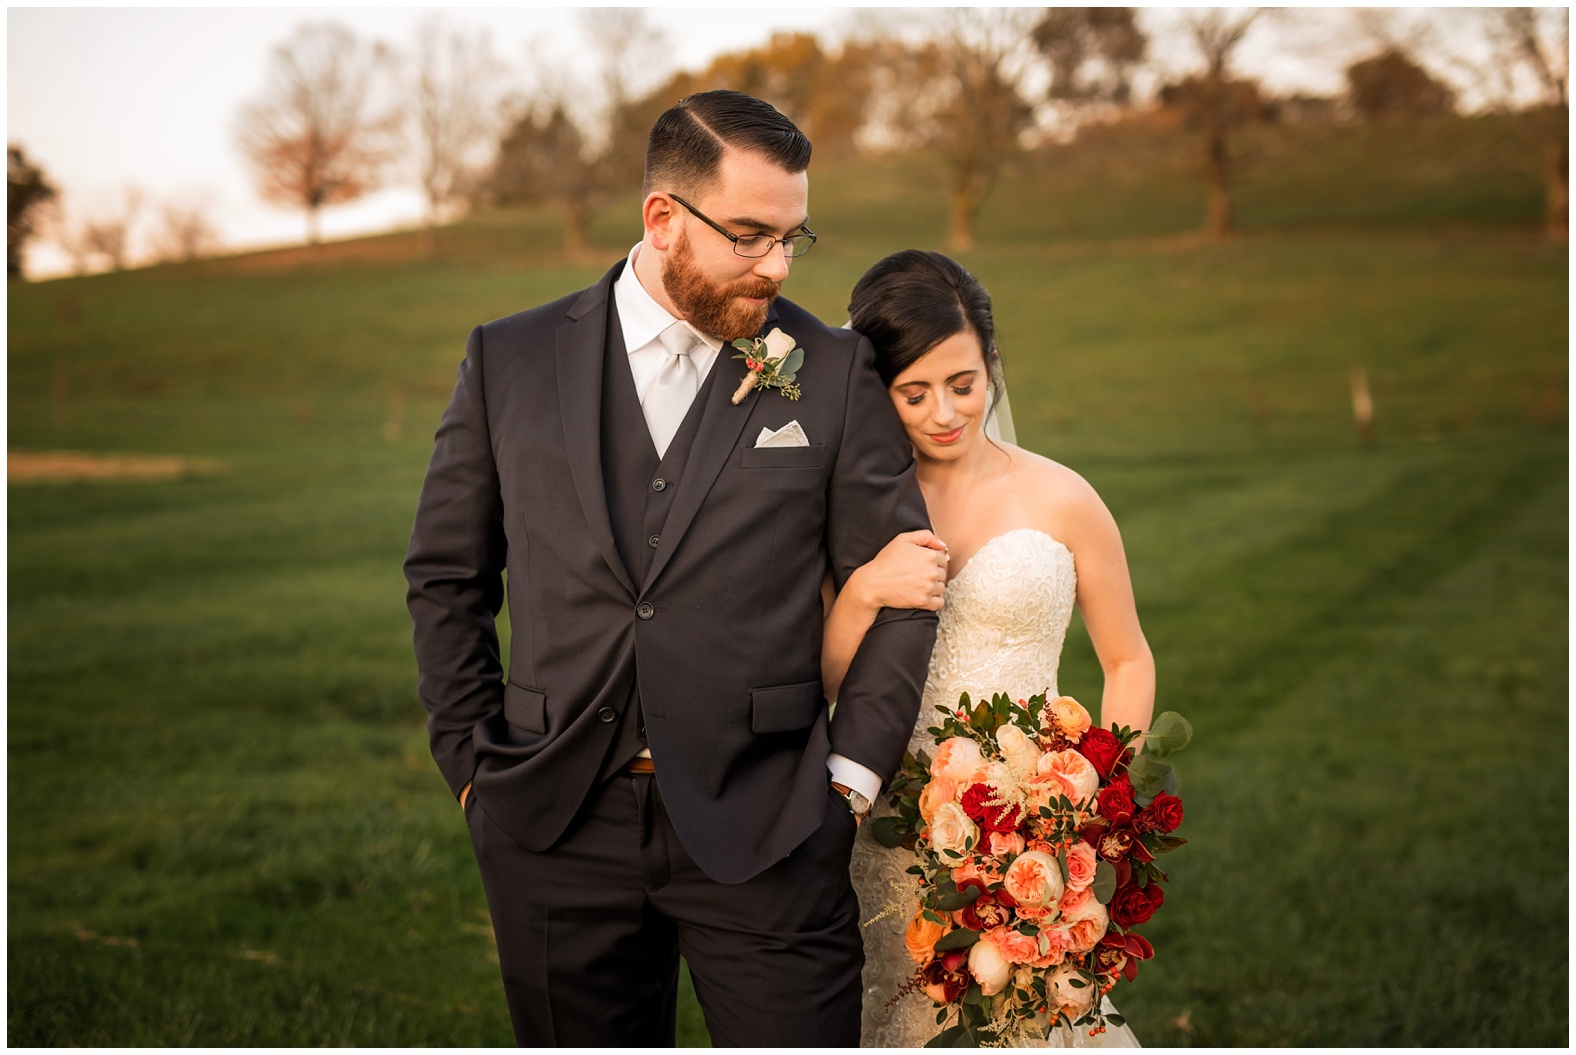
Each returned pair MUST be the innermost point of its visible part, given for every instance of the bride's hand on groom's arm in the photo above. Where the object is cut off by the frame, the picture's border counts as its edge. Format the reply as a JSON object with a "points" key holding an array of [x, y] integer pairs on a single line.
{"points": [[908, 572]]}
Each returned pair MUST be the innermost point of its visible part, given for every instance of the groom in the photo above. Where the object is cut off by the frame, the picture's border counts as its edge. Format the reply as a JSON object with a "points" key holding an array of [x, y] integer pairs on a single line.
{"points": [[656, 773]]}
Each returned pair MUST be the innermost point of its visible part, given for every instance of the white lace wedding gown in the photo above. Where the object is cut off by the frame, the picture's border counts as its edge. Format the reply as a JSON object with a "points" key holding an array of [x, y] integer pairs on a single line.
{"points": [[1001, 630]]}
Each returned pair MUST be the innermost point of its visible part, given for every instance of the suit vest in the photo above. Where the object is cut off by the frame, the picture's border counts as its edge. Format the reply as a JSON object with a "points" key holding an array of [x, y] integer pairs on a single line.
{"points": [[639, 490]]}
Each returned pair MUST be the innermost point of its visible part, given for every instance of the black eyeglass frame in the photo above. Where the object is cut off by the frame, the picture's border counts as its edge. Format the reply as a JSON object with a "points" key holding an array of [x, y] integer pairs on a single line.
{"points": [[792, 240]]}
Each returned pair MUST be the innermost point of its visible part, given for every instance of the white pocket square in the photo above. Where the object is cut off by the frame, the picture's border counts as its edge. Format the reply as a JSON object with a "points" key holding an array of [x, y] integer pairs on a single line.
{"points": [[790, 435]]}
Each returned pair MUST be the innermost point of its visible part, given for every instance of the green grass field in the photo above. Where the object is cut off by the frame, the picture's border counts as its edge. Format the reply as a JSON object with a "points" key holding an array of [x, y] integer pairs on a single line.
{"points": [[225, 827]]}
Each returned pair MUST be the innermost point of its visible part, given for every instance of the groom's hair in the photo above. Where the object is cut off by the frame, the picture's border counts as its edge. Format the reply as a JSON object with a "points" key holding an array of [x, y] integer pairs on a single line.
{"points": [[687, 142]]}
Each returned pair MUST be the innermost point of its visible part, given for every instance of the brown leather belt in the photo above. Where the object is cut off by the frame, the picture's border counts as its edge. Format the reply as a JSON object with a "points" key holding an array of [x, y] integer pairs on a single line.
{"points": [[641, 764]]}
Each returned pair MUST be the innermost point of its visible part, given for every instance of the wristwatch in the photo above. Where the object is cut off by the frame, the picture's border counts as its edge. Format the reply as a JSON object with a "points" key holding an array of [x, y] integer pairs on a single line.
{"points": [[856, 802]]}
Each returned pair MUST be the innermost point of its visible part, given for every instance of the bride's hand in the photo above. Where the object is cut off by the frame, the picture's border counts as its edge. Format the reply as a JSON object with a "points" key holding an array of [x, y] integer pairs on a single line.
{"points": [[909, 572]]}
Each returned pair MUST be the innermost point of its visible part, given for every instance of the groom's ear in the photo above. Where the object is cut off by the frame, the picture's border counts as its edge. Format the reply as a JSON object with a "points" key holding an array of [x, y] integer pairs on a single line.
{"points": [[659, 214]]}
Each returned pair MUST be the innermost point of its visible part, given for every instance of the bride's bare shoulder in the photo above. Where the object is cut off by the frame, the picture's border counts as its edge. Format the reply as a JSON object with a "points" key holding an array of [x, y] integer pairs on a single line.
{"points": [[1058, 497]]}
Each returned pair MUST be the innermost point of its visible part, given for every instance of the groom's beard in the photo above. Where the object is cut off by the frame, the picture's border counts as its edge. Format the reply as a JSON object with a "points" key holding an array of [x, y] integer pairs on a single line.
{"points": [[711, 308]]}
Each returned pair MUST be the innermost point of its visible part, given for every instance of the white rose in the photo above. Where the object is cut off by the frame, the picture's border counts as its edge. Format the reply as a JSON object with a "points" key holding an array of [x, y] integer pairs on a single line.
{"points": [[1073, 999], [778, 344], [956, 759], [951, 829], [1022, 754], [989, 968]]}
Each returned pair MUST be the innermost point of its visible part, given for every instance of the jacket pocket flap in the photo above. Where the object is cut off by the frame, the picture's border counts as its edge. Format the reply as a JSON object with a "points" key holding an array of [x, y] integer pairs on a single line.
{"points": [[783, 457], [782, 708], [525, 707]]}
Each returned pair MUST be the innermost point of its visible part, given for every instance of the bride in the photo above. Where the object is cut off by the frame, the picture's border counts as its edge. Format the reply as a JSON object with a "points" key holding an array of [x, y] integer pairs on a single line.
{"points": [[1018, 540]]}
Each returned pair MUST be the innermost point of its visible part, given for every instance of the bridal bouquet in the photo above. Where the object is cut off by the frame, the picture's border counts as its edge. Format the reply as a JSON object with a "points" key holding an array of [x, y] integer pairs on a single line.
{"points": [[1034, 840]]}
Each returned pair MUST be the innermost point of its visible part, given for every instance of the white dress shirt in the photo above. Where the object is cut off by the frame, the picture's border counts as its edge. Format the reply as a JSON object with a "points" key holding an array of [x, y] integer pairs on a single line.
{"points": [[642, 319]]}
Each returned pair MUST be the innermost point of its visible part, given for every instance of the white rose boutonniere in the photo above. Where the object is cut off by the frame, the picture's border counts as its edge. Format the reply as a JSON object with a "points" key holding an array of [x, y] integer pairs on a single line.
{"points": [[772, 362]]}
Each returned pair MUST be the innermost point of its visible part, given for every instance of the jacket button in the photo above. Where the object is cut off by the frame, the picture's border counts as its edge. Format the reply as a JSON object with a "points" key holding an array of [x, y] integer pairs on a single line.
{"points": [[659, 484], [653, 540], [645, 611], [606, 714]]}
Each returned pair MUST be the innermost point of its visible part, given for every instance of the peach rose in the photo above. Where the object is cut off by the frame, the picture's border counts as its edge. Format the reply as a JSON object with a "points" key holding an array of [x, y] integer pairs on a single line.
{"points": [[1034, 879], [1081, 862], [1078, 777], [1052, 948], [951, 829], [1069, 716], [989, 967], [1033, 913], [920, 938], [1004, 844], [1014, 947], [1021, 753], [1074, 1000], [956, 759], [1084, 921], [1044, 787], [938, 791]]}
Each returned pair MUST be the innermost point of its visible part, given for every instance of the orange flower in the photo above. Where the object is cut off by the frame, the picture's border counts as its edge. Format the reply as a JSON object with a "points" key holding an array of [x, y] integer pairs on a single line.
{"points": [[920, 938]]}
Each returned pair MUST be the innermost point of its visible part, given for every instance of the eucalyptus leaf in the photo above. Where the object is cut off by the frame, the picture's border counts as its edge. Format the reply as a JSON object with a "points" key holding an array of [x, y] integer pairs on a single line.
{"points": [[957, 899], [1061, 861], [888, 831], [1104, 885], [962, 938], [947, 1037], [1170, 733], [791, 366], [974, 994], [1149, 777]]}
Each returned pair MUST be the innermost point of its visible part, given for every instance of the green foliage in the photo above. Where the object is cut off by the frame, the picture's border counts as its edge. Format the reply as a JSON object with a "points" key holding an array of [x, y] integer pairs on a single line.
{"points": [[1169, 734]]}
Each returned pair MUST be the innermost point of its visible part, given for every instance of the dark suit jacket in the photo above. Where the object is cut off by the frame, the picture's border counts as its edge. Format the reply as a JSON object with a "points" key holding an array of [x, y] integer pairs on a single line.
{"points": [[724, 635]]}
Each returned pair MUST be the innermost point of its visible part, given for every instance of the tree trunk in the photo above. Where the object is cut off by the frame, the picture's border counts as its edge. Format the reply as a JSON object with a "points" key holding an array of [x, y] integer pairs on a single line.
{"points": [[1557, 186], [313, 235], [1217, 220], [960, 227], [576, 217]]}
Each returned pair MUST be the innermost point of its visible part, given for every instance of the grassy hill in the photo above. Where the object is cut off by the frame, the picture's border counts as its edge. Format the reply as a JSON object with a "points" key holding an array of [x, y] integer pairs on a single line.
{"points": [[224, 825]]}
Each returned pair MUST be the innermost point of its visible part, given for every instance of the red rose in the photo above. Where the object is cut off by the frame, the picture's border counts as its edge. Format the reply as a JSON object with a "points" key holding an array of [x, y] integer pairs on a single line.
{"points": [[1134, 904], [1162, 815], [1102, 749], [995, 817], [1116, 801]]}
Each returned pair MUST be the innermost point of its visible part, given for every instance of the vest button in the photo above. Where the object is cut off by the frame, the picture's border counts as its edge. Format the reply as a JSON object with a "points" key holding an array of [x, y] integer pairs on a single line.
{"points": [[606, 714], [659, 484], [645, 611], [653, 540]]}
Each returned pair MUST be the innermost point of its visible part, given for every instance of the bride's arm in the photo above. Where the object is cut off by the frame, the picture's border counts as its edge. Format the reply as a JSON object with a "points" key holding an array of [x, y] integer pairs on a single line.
{"points": [[1105, 597], [909, 572]]}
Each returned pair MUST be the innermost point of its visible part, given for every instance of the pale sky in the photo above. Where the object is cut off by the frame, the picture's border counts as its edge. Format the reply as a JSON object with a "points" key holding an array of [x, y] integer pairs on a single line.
{"points": [[108, 98]]}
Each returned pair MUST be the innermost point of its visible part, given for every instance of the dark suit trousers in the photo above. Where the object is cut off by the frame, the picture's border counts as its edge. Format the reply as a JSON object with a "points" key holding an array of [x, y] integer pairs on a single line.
{"points": [[589, 932]]}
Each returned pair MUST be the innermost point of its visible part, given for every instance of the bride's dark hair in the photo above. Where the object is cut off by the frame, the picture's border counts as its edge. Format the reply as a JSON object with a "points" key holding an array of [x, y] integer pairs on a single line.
{"points": [[912, 301]]}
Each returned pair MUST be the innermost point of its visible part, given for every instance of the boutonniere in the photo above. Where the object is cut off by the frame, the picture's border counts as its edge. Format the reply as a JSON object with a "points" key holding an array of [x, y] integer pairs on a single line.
{"points": [[772, 361]]}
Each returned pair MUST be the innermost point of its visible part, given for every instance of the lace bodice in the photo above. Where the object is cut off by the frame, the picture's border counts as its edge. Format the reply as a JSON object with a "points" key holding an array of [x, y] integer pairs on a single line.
{"points": [[1001, 630]]}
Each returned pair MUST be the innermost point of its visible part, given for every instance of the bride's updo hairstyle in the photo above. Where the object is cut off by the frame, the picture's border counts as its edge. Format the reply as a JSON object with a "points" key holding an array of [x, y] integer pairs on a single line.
{"points": [[912, 301]]}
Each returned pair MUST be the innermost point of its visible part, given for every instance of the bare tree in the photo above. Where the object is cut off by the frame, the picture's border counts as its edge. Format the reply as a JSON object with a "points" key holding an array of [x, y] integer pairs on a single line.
{"points": [[1533, 45], [318, 136], [454, 92], [188, 231], [1214, 103], [576, 144], [108, 235], [27, 193], [959, 94], [1392, 84]]}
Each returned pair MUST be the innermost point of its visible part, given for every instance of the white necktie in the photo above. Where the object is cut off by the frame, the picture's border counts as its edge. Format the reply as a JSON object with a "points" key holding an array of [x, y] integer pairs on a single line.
{"points": [[670, 395]]}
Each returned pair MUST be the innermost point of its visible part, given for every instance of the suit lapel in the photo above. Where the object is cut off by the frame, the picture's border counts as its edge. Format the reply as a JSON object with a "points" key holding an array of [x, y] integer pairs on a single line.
{"points": [[720, 425], [579, 361]]}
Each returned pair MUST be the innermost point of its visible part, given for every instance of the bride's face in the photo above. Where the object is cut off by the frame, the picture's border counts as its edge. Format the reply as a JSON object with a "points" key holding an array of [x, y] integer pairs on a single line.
{"points": [[943, 398]]}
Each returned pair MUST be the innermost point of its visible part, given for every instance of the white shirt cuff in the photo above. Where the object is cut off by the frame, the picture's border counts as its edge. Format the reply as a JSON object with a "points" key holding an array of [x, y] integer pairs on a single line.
{"points": [[856, 776]]}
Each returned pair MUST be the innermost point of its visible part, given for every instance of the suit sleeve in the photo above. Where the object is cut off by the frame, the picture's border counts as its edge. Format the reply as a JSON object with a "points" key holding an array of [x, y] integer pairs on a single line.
{"points": [[455, 574], [875, 495]]}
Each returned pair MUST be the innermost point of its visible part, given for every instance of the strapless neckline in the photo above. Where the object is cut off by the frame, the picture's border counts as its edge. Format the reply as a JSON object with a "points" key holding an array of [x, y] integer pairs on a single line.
{"points": [[994, 539]]}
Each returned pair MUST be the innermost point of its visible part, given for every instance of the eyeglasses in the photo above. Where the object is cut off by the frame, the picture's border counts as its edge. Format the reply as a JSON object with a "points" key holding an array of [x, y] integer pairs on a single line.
{"points": [[755, 246]]}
